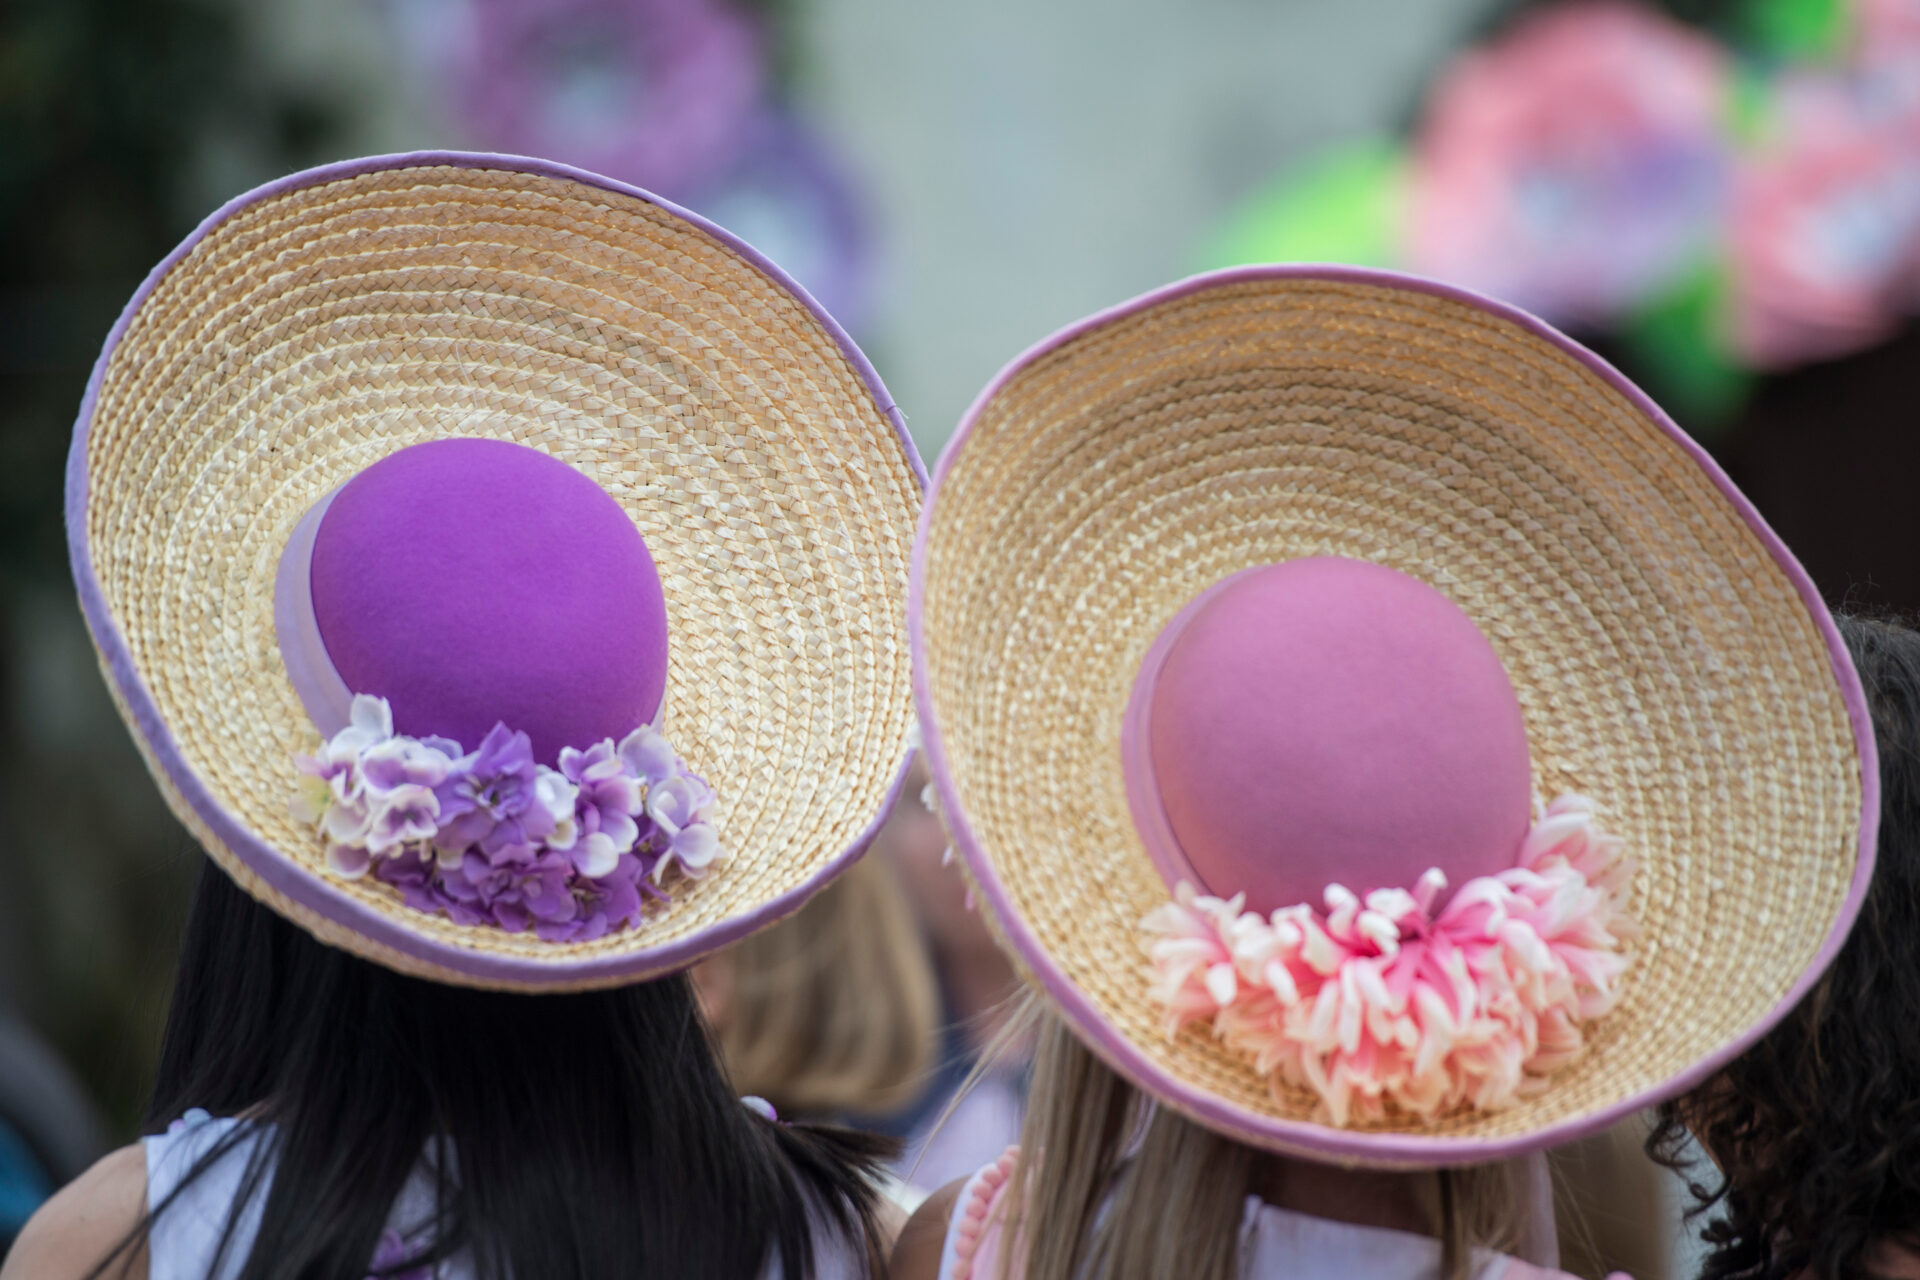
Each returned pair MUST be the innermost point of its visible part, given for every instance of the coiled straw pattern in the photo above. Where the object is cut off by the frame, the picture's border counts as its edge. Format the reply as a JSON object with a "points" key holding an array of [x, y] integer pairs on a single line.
{"points": [[1665, 662], [321, 328]]}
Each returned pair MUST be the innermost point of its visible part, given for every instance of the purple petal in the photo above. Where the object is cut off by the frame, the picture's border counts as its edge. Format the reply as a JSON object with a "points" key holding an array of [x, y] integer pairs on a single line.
{"points": [[511, 916]]}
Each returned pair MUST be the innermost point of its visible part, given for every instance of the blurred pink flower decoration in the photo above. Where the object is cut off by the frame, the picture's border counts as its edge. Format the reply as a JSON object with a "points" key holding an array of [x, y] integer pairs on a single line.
{"points": [[1573, 164], [1397, 1000], [1824, 236], [659, 93]]}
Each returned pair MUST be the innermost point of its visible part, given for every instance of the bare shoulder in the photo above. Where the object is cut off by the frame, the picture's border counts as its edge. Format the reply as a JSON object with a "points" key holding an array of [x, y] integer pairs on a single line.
{"points": [[916, 1254], [75, 1231]]}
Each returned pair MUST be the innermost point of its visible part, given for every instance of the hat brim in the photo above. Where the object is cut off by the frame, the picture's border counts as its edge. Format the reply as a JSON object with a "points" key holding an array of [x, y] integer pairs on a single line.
{"points": [[1672, 660], [315, 325]]}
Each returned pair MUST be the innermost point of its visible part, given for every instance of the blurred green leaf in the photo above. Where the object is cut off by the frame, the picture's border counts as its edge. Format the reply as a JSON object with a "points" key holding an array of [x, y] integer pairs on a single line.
{"points": [[1343, 205]]}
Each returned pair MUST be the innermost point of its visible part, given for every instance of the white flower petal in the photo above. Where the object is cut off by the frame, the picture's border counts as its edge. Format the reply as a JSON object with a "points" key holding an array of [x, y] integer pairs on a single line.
{"points": [[648, 755], [596, 856], [347, 862], [371, 716]]}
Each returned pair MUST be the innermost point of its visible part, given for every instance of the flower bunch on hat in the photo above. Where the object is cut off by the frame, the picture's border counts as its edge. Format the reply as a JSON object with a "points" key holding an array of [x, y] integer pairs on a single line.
{"points": [[1272, 712], [1397, 1000], [488, 836]]}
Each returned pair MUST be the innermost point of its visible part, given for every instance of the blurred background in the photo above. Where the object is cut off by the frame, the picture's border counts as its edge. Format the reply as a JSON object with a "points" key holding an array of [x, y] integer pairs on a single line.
{"points": [[1721, 196]]}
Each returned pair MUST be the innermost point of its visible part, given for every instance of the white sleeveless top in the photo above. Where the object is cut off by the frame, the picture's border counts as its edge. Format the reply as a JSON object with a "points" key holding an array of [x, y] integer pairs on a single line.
{"points": [[186, 1237]]}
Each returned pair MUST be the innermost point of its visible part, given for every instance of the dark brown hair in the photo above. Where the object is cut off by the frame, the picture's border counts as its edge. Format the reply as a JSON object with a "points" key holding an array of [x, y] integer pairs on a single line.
{"points": [[1816, 1129]]}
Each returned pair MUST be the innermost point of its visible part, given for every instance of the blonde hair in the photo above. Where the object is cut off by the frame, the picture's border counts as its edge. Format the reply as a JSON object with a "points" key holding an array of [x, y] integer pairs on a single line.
{"points": [[1172, 1190], [834, 1009]]}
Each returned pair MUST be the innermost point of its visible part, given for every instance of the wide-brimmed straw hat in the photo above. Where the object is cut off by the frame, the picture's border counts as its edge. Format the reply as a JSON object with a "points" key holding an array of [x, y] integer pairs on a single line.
{"points": [[502, 570], [1324, 671]]}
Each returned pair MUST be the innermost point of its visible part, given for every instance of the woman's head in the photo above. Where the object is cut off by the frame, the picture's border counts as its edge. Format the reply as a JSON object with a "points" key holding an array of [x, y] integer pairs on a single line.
{"points": [[589, 1131], [1816, 1129], [835, 1010], [1126, 1189]]}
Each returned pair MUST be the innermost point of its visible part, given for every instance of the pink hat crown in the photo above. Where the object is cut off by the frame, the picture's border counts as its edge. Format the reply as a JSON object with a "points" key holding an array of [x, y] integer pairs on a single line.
{"points": [[1329, 767]]}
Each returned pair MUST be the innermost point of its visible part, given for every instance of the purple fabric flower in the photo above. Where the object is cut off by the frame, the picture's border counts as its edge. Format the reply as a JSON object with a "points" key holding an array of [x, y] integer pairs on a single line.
{"points": [[609, 796], [489, 799], [648, 755], [491, 838], [408, 813], [676, 807], [407, 762], [611, 902]]}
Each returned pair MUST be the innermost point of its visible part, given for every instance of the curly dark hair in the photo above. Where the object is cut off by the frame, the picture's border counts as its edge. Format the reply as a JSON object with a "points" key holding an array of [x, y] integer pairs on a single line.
{"points": [[1816, 1129]]}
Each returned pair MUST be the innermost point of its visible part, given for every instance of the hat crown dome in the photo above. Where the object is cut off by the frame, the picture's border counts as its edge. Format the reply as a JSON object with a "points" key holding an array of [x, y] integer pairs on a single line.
{"points": [[473, 582], [1326, 721]]}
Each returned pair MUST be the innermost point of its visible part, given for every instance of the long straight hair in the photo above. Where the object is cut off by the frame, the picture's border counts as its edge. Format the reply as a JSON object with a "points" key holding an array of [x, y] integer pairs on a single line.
{"points": [[584, 1134], [1121, 1189]]}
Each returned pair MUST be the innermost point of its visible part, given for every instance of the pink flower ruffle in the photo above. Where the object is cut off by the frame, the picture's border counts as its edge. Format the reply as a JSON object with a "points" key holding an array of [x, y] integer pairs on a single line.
{"points": [[1382, 1002]]}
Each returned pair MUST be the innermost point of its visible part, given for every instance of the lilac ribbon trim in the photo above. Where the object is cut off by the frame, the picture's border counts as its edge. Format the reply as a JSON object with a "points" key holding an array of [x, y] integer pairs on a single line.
{"points": [[323, 692]]}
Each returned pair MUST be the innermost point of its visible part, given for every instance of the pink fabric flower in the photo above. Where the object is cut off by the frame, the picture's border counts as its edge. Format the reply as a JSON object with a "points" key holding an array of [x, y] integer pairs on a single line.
{"points": [[1380, 1002], [1574, 164]]}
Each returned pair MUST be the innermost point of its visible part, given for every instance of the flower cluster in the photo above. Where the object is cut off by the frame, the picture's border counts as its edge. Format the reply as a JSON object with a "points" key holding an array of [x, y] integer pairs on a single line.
{"points": [[1575, 164], [490, 837], [1586, 162], [1383, 1000], [1727, 210]]}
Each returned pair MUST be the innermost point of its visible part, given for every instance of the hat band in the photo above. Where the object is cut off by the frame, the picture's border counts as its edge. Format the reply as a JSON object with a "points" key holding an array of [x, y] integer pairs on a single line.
{"points": [[1136, 752], [323, 693]]}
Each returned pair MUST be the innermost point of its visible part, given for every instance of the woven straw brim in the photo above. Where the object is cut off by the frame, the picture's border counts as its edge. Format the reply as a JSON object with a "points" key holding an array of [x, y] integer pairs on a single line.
{"points": [[320, 328], [1669, 664]]}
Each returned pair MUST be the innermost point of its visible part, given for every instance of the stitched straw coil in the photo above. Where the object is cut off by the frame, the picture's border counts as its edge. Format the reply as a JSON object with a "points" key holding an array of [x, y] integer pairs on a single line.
{"points": [[320, 328], [1666, 663]]}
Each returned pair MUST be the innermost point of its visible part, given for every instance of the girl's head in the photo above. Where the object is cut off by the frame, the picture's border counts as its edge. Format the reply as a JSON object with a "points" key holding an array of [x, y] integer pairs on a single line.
{"points": [[1113, 1185], [548, 1118], [499, 608], [1320, 669], [1816, 1129], [835, 1010]]}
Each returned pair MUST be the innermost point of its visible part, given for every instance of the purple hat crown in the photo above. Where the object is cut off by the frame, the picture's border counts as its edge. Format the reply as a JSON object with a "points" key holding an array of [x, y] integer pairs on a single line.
{"points": [[479, 594], [1316, 751]]}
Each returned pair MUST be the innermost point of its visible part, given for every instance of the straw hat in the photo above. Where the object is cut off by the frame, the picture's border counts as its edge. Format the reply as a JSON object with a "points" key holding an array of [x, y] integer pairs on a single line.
{"points": [[392, 451], [1295, 582]]}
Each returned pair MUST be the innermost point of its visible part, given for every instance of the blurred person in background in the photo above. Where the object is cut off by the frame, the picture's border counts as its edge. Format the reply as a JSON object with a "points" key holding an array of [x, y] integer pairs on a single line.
{"points": [[833, 1013], [974, 1106], [880, 1004], [49, 1132]]}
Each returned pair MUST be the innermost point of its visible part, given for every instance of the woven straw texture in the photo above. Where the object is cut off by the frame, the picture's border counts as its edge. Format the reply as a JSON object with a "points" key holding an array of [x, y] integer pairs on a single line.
{"points": [[1665, 663], [322, 328]]}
